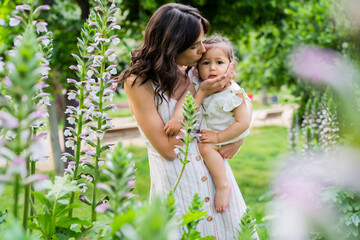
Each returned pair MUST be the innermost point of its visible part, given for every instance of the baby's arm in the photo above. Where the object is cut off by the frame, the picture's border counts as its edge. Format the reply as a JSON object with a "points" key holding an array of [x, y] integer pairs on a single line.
{"points": [[242, 115], [173, 126]]}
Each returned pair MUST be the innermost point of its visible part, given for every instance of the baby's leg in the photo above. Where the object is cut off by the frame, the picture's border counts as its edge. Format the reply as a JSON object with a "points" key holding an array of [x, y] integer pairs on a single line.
{"points": [[216, 166]]}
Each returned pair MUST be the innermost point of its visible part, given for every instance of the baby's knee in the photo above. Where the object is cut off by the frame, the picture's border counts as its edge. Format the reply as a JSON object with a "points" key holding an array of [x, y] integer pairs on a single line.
{"points": [[204, 149]]}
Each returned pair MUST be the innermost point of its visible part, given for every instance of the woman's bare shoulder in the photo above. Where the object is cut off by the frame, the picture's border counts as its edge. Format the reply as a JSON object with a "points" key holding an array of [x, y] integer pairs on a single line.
{"points": [[133, 79]]}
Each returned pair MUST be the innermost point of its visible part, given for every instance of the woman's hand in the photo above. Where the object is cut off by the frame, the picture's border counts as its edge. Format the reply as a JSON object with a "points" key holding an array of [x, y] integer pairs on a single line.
{"points": [[228, 151], [212, 85]]}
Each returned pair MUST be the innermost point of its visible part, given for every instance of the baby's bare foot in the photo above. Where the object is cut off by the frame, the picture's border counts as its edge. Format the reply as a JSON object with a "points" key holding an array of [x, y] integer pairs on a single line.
{"points": [[222, 196]]}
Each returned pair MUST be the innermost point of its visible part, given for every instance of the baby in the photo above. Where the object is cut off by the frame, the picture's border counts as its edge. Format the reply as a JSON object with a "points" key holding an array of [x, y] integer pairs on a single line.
{"points": [[224, 116]]}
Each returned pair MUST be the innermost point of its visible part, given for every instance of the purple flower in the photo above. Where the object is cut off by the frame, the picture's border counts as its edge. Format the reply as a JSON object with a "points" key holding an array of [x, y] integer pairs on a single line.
{"points": [[8, 121], [42, 7], [23, 7], [14, 22], [317, 64], [35, 178], [131, 183], [102, 208]]}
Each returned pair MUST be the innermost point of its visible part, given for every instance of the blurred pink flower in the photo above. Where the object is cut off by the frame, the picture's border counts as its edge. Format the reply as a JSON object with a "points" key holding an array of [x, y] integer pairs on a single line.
{"points": [[102, 208], [23, 7], [299, 190], [320, 65]]}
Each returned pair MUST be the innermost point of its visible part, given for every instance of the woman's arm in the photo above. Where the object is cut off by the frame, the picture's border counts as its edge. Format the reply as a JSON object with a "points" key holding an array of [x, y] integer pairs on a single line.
{"points": [[142, 104], [173, 126]]}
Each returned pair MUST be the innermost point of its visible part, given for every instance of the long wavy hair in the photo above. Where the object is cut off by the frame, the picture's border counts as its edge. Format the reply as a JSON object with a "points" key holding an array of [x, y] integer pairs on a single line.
{"points": [[171, 30]]}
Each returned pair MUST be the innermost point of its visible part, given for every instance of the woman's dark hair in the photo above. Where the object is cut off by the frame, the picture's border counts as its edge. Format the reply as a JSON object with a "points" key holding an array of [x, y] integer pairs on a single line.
{"points": [[171, 30]]}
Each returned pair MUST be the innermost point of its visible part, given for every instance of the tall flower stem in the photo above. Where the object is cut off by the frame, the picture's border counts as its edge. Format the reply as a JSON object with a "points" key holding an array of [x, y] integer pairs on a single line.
{"points": [[98, 140], [184, 162], [189, 126], [26, 197], [16, 195], [78, 140]]}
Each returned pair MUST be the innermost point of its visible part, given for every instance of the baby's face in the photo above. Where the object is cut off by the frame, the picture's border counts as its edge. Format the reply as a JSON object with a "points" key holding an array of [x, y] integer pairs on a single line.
{"points": [[213, 63]]}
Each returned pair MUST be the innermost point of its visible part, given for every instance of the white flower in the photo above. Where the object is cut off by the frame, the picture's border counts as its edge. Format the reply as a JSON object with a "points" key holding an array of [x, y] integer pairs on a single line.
{"points": [[106, 76], [88, 177], [99, 135], [83, 187], [90, 49], [68, 111], [64, 158], [89, 73], [44, 70], [41, 27], [71, 95], [177, 151], [116, 27], [23, 7], [98, 59], [112, 57], [45, 42], [96, 114], [45, 101], [95, 88], [109, 51], [116, 41], [14, 22], [17, 40], [2, 22], [67, 132], [37, 150], [113, 71], [2, 64], [71, 120], [70, 144]]}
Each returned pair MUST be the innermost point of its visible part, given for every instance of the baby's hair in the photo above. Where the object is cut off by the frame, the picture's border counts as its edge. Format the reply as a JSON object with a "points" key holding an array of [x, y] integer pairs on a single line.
{"points": [[222, 42]]}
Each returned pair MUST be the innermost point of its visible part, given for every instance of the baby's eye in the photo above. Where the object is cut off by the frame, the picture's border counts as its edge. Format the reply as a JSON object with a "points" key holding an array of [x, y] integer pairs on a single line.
{"points": [[219, 62], [205, 63]]}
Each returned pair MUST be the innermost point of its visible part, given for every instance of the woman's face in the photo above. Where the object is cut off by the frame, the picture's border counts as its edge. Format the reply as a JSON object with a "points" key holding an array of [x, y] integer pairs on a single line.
{"points": [[191, 56]]}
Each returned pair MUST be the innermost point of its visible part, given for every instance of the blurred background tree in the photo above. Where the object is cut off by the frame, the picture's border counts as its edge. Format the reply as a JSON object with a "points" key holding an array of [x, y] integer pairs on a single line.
{"points": [[263, 32]]}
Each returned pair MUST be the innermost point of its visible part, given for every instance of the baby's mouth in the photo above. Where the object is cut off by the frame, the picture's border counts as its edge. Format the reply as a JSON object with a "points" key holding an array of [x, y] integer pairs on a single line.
{"points": [[212, 76]]}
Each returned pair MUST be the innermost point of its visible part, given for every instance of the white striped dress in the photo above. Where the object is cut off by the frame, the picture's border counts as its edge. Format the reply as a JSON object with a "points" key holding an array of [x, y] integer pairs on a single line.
{"points": [[195, 179]]}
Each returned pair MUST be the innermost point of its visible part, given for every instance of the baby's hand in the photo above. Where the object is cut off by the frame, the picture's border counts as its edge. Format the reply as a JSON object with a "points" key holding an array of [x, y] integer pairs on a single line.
{"points": [[172, 127], [208, 136]]}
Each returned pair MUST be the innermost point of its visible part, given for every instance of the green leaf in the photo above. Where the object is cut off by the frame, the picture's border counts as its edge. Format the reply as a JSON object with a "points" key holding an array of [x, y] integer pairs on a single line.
{"points": [[355, 218], [123, 219], [3, 217], [41, 197], [190, 217], [62, 188], [66, 222]]}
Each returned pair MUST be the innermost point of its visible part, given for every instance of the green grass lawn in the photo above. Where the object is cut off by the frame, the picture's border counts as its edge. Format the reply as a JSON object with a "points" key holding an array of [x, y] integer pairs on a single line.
{"points": [[253, 167]]}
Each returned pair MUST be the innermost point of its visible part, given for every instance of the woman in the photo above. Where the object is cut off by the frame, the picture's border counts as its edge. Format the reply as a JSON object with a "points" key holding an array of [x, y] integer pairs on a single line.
{"points": [[157, 78]]}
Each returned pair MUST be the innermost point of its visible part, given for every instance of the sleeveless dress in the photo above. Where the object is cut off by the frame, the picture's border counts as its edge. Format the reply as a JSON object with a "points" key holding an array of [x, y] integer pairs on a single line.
{"points": [[195, 179]]}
